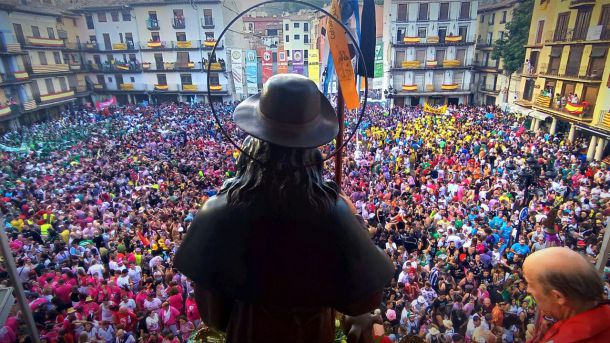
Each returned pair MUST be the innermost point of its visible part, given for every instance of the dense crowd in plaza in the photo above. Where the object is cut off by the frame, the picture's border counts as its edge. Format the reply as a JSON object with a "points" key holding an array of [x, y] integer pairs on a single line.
{"points": [[96, 204]]}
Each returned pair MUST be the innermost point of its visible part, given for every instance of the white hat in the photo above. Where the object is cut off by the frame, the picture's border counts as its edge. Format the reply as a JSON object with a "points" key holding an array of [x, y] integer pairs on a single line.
{"points": [[421, 300]]}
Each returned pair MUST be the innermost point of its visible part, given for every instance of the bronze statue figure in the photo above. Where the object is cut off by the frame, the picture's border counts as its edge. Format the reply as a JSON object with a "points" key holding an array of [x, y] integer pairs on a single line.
{"points": [[279, 249]]}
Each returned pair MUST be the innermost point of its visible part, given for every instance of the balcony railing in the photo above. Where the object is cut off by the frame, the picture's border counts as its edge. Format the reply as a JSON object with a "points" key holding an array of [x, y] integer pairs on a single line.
{"points": [[50, 68], [152, 24], [129, 45], [581, 110], [165, 45], [45, 42], [207, 22], [604, 118], [178, 23], [545, 70], [5, 110], [433, 40], [215, 66], [15, 77], [52, 97], [11, 48], [115, 68], [438, 88], [581, 3]]}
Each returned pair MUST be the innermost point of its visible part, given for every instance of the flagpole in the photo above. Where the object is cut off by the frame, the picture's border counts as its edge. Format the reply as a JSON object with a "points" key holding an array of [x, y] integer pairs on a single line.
{"points": [[339, 140]]}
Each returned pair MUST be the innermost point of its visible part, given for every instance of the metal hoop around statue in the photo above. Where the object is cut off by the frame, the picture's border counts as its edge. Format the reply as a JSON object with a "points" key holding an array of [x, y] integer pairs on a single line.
{"points": [[353, 40]]}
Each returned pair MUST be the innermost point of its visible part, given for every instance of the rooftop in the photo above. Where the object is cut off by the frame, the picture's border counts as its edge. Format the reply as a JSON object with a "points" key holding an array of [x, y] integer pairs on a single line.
{"points": [[493, 5]]}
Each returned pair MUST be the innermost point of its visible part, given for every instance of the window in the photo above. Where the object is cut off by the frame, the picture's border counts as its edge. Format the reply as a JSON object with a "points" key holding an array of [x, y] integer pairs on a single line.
{"points": [[400, 57], [209, 36], [423, 11], [604, 22], [214, 79], [561, 29], [50, 87], [420, 55], [62, 84], [539, 32], [490, 37], [465, 10], [57, 57], [42, 57], [155, 36], [297, 37], [296, 25], [444, 11], [402, 12], [50, 32], [287, 40], [597, 61], [553, 67], [207, 17], [114, 15], [35, 32], [129, 40], [503, 17], [583, 18], [305, 39], [589, 94], [92, 39], [132, 57], [126, 16], [483, 18], [501, 34], [186, 79], [492, 19], [422, 32], [305, 54], [101, 17], [463, 31], [182, 58], [161, 79], [132, 79], [89, 20], [440, 55], [286, 27], [460, 55], [306, 27], [181, 36], [574, 60]]}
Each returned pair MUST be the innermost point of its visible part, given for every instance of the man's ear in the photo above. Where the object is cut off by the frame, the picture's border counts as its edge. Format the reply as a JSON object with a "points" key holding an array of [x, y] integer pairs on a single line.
{"points": [[558, 297]]}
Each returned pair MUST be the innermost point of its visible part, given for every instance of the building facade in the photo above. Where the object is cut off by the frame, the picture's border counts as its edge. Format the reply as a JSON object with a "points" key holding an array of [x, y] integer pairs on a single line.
{"points": [[564, 86], [41, 67], [492, 86], [430, 50], [156, 51], [263, 30], [297, 34]]}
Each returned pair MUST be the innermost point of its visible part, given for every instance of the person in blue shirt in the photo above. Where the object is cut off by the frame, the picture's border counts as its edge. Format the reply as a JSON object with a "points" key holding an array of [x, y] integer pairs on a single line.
{"points": [[519, 248]]}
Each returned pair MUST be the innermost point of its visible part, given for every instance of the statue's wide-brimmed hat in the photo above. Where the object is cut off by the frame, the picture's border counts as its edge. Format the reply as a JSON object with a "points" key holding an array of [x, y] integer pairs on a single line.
{"points": [[290, 111]]}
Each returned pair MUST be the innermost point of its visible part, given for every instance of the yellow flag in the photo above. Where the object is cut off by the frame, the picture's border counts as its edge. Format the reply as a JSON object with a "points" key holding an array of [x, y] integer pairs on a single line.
{"points": [[343, 63]]}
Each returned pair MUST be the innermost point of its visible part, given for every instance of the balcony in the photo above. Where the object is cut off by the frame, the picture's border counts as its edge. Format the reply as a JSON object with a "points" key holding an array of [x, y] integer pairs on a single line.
{"points": [[45, 42], [50, 69], [5, 110], [432, 41], [207, 22], [178, 23], [152, 24], [430, 89], [15, 78], [161, 87], [215, 66], [594, 77], [581, 112], [90, 46], [11, 49], [604, 118], [129, 45], [118, 68], [76, 67], [99, 86], [126, 86], [581, 3], [170, 45], [55, 97], [208, 44]]}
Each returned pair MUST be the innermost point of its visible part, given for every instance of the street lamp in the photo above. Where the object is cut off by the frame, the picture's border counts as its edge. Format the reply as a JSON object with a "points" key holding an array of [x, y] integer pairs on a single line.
{"points": [[390, 93]]}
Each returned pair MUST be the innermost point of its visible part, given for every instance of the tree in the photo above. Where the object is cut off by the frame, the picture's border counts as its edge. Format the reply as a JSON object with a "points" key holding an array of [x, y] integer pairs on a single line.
{"points": [[511, 49]]}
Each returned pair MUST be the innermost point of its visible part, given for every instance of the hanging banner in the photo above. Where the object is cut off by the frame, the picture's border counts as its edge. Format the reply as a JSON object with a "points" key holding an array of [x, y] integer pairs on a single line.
{"points": [[314, 66], [282, 62], [251, 72], [341, 58], [267, 65], [378, 76], [435, 109], [297, 62], [100, 105], [237, 69]]}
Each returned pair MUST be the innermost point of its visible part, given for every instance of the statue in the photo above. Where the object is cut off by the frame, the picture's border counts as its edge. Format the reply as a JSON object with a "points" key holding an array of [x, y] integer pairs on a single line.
{"points": [[279, 249]]}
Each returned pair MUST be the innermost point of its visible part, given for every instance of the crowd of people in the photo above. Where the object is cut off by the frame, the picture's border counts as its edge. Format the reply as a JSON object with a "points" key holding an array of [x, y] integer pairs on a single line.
{"points": [[96, 205]]}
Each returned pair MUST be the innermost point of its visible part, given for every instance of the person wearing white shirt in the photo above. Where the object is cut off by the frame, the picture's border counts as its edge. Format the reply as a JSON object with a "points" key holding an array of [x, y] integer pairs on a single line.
{"points": [[123, 280], [135, 273], [96, 269]]}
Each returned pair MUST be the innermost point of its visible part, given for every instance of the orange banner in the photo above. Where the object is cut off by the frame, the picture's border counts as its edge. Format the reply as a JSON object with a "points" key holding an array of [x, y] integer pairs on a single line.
{"points": [[343, 63], [282, 61]]}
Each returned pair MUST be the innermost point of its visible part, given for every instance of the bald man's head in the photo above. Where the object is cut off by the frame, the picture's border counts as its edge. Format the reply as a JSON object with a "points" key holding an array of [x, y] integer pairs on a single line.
{"points": [[564, 271]]}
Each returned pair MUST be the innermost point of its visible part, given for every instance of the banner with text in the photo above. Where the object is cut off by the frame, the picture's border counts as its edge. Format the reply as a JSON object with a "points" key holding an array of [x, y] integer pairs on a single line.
{"points": [[267, 65], [377, 81], [282, 62], [251, 72], [341, 59], [314, 65], [237, 69], [298, 66]]}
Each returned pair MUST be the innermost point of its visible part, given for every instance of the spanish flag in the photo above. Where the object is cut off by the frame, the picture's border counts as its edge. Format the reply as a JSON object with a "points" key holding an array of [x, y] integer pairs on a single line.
{"points": [[575, 108]]}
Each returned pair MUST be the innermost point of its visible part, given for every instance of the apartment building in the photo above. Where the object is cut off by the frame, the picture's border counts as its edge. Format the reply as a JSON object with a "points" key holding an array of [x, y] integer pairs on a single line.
{"points": [[41, 70], [564, 85], [492, 86], [297, 34], [263, 30], [429, 49], [156, 51]]}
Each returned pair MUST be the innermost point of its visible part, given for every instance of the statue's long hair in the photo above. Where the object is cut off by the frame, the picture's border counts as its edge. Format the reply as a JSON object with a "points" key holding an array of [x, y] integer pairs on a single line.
{"points": [[278, 177]]}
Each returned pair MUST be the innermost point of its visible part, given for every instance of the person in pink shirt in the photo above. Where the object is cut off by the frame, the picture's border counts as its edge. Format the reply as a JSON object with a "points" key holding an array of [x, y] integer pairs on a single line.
{"points": [[62, 292], [175, 299], [169, 317]]}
